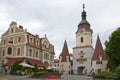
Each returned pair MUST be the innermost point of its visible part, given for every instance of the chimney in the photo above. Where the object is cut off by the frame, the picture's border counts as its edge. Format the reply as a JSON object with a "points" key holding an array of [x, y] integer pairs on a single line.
{"points": [[37, 35], [21, 27]]}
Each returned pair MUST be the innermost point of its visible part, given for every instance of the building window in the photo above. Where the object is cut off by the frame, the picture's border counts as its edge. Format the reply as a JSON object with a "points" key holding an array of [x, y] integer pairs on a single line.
{"points": [[37, 43], [98, 62], [3, 52], [30, 52], [4, 42], [81, 51], [9, 50], [36, 54], [46, 56], [2, 62], [18, 51], [91, 40], [82, 40], [30, 40], [51, 58], [41, 55], [19, 39], [11, 40], [11, 30]]}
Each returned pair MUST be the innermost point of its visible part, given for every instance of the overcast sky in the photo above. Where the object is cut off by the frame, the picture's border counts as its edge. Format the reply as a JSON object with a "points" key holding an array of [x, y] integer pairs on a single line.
{"points": [[58, 19]]}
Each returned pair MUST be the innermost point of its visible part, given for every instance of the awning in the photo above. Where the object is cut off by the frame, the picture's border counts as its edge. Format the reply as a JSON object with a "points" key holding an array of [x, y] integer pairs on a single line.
{"points": [[26, 65], [35, 62], [31, 61], [12, 61]]}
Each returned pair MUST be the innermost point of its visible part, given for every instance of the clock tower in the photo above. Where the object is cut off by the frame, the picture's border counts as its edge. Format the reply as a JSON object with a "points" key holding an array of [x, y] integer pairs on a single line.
{"points": [[84, 33], [83, 51]]}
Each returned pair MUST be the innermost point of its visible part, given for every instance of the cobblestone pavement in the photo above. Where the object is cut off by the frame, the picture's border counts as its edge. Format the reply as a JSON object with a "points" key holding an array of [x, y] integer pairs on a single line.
{"points": [[63, 77]]}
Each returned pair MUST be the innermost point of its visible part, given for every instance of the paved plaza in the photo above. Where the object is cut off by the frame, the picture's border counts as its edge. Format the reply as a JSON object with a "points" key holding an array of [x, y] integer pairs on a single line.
{"points": [[63, 77]]}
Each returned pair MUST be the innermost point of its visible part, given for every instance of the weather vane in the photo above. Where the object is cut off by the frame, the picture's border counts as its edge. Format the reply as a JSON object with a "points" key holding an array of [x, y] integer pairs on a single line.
{"points": [[83, 6]]}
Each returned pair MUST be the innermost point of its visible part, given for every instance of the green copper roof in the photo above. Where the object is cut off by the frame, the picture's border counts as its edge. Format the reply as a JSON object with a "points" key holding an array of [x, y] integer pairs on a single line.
{"points": [[84, 22]]}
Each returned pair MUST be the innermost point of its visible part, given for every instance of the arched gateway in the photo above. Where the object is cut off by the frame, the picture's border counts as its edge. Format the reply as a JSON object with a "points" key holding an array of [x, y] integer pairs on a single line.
{"points": [[80, 70]]}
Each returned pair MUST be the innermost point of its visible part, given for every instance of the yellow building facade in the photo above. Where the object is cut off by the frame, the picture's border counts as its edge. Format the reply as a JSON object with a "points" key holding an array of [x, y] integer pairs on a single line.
{"points": [[17, 42]]}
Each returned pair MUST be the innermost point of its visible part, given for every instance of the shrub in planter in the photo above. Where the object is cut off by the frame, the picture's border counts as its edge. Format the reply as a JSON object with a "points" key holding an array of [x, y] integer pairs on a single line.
{"points": [[39, 74]]}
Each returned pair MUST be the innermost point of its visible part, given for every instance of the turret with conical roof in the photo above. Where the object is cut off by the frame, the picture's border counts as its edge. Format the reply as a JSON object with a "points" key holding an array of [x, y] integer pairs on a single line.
{"points": [[99, 52], [65, 53]]}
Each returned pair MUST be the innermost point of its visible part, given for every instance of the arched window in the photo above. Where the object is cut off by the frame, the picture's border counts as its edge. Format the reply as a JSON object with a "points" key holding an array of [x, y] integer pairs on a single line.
{"points": [[9, 50], [82, 40], [11, 30], [19, 39]]}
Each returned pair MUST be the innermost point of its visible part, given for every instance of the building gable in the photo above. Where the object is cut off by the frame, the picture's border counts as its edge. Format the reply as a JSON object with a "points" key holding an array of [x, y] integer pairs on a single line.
{"points": [[13, 29]]}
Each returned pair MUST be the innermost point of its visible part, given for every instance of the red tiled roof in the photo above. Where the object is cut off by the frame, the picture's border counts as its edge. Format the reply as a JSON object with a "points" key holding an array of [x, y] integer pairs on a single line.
{"points": [[65, 52], [99, 50], [85, 26], [30, 61]]}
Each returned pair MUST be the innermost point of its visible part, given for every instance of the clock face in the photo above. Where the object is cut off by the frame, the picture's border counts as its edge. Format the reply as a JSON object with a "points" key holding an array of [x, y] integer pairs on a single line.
{"points": [[81, 30]]}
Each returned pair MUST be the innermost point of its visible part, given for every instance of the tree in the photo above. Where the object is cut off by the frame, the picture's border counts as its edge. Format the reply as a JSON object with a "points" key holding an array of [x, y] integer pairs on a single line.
{"points": [[113, 49], [15, 67], [36, 68]]}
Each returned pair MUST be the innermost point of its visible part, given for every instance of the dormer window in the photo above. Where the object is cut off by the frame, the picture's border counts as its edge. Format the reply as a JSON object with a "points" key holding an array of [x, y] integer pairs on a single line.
{"points": [[19, 39], [98, 62], [4, 42], [45, 44], [100, 57], [11, 30], [30, 40], [37, 43]]}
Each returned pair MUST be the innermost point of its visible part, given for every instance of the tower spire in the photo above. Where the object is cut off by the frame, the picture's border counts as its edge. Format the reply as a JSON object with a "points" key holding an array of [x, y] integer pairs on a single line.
{"points": [[83, 13], [83, 7]]}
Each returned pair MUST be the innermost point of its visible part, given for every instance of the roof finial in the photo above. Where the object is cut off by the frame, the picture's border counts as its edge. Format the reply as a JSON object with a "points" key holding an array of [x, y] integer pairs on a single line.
{"points": [[83, 6], [45, 35]]}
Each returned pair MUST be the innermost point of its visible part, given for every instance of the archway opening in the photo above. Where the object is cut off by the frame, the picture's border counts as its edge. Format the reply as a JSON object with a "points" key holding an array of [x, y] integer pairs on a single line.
{"points": [[80, 70]]}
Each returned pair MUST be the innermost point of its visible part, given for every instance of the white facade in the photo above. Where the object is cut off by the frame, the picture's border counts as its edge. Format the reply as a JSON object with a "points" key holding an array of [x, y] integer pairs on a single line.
{"points": [[65, 67], [82, 58], [98, 67]]}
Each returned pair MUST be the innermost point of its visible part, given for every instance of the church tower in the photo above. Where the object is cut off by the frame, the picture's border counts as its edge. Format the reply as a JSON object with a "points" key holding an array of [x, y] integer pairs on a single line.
{"points": [[83, 51], [84, 33]]}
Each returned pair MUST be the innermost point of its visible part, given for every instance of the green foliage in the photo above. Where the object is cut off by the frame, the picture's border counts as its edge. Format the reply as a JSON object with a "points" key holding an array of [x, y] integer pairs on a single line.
{"points": [[118, 70], [42, 72], [35, 68], [105, 74], [15, 67], [44, 69], [113, 49], [39, 74], [52, 72]]}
